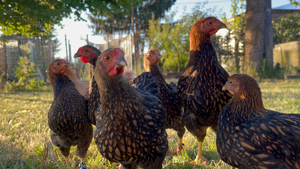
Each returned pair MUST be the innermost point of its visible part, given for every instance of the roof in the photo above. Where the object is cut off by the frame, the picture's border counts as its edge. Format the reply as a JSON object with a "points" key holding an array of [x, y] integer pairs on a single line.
{"points": [[287, 7]]}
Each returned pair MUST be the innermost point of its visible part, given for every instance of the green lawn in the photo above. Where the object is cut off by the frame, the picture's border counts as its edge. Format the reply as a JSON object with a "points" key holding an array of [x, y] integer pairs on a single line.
{"points": [[24, 131]]}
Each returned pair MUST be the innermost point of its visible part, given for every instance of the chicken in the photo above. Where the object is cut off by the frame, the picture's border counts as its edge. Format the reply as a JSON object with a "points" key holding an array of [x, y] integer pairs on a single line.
{"points": [[89, 54], [168, 94], [83, 88], [67, 117], [200, 83], [130, 124], [250, 136]]}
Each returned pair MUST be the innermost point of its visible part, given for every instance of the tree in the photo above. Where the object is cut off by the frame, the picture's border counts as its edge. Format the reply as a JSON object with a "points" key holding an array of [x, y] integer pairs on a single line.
{"points": [[296, 3], [237, 29], [286, 29], [117, 22], [38, 17], [172, 38], [254, 35], [259, 36]]}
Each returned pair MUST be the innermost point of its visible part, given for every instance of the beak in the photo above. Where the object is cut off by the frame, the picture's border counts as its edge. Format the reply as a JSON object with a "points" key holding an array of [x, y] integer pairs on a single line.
{"points": [[222, 25], [67, 64], [158, 56], [122, 62], [224, 87], [77, 55]]}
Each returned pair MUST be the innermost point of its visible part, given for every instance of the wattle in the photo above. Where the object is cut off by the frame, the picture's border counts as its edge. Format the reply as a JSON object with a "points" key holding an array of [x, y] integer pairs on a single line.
{"points": [[85, 60], [212, 31], [112, 71]]}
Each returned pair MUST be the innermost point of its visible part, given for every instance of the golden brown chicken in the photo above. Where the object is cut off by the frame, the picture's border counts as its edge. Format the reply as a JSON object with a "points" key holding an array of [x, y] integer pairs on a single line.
{"points": [[250, 136], [200, 84]]}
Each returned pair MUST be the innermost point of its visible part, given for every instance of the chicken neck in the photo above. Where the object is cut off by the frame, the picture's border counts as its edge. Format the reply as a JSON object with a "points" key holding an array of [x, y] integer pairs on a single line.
{"points": [[243, 109], [204, 55], [116, 89], [156, 73], [58, 81]]}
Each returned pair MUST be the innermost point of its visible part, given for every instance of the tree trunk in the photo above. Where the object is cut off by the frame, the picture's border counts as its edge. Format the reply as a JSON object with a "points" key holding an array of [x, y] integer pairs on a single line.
{"points": [[236, 55], [269, 35], [136, 52], [178, 59], [255, 30]]}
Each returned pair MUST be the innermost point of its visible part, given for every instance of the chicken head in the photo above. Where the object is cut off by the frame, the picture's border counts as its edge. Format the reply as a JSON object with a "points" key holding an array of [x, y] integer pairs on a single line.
{"points": [[232, 85], [202, 30], [242, 86], [112, 61], [151, 57], [58, 66], [209, 25], [86, 53]]}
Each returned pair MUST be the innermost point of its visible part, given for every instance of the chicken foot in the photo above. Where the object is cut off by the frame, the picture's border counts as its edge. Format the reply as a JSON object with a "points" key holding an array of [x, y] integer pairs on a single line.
{"points": [[199, 157]]}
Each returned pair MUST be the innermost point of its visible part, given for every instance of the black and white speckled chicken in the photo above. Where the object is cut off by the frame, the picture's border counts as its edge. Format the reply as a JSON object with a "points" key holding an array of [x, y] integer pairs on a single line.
{"points": [[200, 84], [250, 136], [130, 124], [169, 95], [67, 117]]}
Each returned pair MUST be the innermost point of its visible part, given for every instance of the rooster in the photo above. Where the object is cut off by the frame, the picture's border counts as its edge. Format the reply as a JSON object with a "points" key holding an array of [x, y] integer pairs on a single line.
{"points": [[89, 54], [67, 117], [250, 136], [200, 83], [130, 124], [169, 95]]}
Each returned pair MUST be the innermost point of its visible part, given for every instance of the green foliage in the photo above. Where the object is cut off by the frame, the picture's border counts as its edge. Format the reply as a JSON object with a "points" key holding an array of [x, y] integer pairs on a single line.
{"points": [[25, 73], [286, 29], [172, 38], [38, 17], [238, 23], [268, 72], [116, 21], [295, 3]]}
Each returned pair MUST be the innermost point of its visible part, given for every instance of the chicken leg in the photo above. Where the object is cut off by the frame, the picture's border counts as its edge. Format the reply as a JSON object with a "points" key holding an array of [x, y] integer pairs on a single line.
{"points": [[179, 148], [199, 156], [82, 164], [67, 160]]}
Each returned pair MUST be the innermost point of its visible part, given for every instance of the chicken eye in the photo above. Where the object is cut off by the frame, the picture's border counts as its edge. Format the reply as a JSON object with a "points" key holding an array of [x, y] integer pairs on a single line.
{"points": [[210, 22], [86, 50], [230, 82], [107, 57], [57, 63]]}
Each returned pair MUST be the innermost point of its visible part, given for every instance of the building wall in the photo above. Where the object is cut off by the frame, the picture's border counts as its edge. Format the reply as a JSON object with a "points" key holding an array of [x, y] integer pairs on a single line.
{"points": [[278, 13], [287, 54]]}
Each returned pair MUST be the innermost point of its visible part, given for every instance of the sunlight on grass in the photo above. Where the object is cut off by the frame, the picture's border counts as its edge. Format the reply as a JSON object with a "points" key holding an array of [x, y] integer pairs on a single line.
{"points": [[24, 131]]}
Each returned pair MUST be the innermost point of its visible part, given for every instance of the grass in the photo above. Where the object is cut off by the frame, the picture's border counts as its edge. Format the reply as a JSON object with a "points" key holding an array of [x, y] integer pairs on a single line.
{"points": [[24, 131]]}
